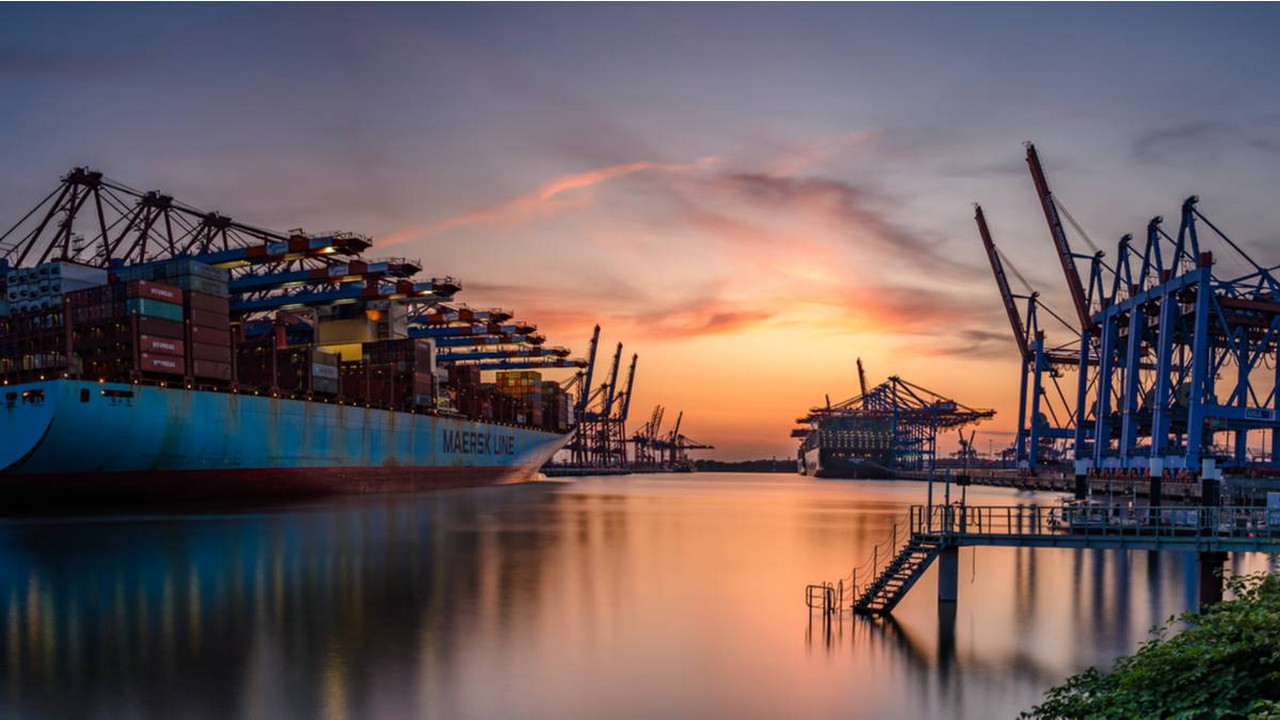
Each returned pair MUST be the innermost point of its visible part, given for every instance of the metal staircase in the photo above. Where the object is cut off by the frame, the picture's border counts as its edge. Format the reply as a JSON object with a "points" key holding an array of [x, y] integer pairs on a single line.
{"points": [[898, 576]]}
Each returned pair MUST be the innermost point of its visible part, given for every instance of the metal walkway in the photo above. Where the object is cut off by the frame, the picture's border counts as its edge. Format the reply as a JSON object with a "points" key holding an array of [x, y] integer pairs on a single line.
{"points": [[939, 530]]}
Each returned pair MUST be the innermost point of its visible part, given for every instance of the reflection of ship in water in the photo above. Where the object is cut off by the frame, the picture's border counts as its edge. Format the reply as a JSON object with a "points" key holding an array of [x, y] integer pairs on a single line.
{"points": [[889, 428], [295, 612]]}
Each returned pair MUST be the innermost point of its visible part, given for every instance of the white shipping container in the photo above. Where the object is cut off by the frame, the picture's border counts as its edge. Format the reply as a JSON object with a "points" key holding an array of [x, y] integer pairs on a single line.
{"points": [[329, 372]]}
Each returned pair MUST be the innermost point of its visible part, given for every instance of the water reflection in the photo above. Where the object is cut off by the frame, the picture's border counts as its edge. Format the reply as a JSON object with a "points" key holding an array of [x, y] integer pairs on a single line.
{"points": [[642, 597]]}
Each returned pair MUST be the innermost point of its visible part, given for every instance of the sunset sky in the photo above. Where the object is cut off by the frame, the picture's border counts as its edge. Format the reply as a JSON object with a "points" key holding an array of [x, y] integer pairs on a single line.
{"points": [[749, 196]]}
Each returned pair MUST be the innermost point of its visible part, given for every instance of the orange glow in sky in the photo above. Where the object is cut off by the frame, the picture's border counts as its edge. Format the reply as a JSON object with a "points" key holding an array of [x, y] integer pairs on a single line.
{"points": [[747, 293]]}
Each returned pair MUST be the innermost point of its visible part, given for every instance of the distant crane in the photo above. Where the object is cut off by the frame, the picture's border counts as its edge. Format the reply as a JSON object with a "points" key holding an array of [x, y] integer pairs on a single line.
{"points": [[601, 413], [673, 449]]}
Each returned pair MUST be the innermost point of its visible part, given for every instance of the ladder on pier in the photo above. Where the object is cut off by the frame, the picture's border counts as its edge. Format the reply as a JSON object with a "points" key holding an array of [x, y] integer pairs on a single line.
{"points": [[883, 594]]}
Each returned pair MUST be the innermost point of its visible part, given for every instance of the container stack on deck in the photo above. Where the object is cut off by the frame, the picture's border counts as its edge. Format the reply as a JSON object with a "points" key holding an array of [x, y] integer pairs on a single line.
{"points": [[171, 322], [131, 287]]}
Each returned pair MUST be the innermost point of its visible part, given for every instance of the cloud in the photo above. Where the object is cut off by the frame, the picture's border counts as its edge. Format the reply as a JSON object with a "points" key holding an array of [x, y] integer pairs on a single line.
{"points": [[543, 200], [802, 157], [976, 343], [626, 309], [1158, 144], [845, 206]]}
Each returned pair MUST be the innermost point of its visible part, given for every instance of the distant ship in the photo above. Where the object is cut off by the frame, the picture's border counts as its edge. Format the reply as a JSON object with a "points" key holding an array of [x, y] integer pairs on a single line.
{"points": [[845, 447], [889, 428]]}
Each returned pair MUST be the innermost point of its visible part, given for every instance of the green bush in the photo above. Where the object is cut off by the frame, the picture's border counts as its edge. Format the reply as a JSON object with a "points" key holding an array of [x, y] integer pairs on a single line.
{"points": [[1225, 664]]}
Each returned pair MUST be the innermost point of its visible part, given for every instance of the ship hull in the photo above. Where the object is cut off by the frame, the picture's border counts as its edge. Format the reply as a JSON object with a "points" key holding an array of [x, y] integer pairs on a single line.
{"points": [[822, 462], [852, 469], [64, 436]]}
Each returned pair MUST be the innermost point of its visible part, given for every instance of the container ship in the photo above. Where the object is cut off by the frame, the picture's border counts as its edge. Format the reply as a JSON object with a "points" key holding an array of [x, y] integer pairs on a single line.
{"points": [[152, 350], [887, 429]]}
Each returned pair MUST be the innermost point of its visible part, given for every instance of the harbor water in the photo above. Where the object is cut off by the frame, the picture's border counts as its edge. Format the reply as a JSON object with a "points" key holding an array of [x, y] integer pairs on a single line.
{"points": [[644, 596]]}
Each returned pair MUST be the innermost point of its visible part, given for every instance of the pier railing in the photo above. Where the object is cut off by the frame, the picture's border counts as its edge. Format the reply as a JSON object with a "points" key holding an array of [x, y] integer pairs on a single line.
{"points": [[958, 522], [894, 564]]}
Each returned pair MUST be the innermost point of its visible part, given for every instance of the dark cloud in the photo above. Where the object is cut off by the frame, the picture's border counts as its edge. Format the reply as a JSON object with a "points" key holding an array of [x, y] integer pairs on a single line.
{"points": [[976, 343], [1158, 144], [841, 200]]}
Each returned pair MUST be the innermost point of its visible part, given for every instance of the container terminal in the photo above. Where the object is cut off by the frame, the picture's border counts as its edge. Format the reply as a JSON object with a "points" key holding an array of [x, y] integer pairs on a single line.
{"points": [[151, 348], [600, 445], [1160, 382]]}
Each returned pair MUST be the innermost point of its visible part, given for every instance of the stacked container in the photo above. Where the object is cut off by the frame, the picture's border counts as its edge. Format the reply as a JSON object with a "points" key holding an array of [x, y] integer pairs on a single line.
{"points": [[208, 333], [525, 386], [398, 373], [556, 411], [201, 299], [43, 286], [127, 326]]}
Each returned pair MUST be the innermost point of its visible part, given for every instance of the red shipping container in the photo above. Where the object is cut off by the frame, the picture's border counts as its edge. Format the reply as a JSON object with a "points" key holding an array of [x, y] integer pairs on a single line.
{"points": [[210, 303], [210, 370], [211, 335], [153, 291], [158, 327], [205, 318], [213, 353], [160, 346], [160, 364]]}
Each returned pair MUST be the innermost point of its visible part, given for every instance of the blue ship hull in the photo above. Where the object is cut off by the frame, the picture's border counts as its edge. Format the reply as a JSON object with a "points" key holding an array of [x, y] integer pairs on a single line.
{"points": [[145, 441]]}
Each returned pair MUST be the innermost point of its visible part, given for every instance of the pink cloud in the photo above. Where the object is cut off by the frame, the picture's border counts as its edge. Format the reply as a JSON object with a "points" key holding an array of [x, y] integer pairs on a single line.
{"points": [[542, 200]]}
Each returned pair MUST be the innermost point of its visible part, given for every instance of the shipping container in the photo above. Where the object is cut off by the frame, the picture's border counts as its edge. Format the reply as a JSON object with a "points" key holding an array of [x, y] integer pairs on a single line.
{"points": [[159, 327], [160, 346], [206, 302], [325, 386], [205, 318], [204, 286], [154, 308], [211, 353], [210, 370], [166, 364], [211, 335], [151, 290]]}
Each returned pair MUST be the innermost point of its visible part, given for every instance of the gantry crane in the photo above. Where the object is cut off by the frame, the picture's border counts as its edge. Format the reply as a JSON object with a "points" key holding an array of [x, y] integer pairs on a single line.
{"points": [[1040, 415]]}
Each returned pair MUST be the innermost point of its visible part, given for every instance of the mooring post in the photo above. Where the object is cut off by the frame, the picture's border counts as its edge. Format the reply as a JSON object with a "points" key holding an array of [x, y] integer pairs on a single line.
{"points": [[949, 574], [1210, 483], [1210, 566], [1156, 489]]}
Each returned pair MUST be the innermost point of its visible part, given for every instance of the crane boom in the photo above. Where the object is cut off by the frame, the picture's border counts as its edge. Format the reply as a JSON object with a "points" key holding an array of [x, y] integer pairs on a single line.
{"points": [[626, 397], [586, 381], [613, 383], [1065, 255], [1002, 282], [862, 383]]}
